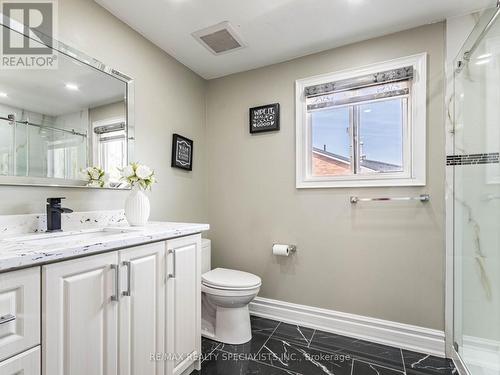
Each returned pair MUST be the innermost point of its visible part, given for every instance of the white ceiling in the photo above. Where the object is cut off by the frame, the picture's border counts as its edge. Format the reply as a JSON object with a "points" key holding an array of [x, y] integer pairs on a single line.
{"points": [[275, 30]]}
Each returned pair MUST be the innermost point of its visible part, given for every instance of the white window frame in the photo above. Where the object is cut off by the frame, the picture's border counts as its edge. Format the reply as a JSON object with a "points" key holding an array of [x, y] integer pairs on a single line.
{"points": [[414, 141], [96, 157]]}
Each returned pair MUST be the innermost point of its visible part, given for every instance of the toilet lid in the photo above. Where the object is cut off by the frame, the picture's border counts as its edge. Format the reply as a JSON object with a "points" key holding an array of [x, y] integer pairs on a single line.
{"points": [[230, 279]]}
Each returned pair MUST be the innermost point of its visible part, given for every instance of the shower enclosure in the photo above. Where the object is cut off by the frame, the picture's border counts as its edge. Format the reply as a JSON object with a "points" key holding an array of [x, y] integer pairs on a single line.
{"points": [[35, 145], [475, 338]]}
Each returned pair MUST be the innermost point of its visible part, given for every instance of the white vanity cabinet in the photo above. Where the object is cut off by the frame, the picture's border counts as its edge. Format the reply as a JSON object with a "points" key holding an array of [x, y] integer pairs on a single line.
{"points": [[19, 311], [134, 311], [142, 309], [80, 316], [183, 304], [26, 363]]}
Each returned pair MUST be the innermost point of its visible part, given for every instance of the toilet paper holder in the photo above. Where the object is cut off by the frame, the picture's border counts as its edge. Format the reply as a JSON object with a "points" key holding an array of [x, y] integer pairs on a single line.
{"points": [[291, 248]]}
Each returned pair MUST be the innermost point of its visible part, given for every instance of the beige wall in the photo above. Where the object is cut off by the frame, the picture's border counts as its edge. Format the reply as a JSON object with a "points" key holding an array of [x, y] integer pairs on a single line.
{"points": [[383, 260], [168, 98]]}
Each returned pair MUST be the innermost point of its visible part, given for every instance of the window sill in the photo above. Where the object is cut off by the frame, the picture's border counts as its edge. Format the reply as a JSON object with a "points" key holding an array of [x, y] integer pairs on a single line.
{"points": [[316, 184]]}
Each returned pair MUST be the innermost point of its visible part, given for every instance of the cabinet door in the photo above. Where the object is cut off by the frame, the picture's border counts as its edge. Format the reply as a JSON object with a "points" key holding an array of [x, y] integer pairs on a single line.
{"points": [[27, 363], [19, 311], [183, 303], [80, 316], [142, 310]]}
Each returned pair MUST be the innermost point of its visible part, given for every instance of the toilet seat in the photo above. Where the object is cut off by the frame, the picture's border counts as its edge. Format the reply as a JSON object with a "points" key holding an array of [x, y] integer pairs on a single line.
{"points": [[229, 292], [229, 280]]}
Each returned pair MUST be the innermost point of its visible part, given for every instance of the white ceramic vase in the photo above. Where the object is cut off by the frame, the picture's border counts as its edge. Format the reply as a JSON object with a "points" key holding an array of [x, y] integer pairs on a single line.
{"points": [[137, 208]]}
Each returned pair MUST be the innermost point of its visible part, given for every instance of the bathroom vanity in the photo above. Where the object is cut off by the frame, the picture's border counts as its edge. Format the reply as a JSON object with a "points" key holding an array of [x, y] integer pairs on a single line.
{"points": [[99, 298]]}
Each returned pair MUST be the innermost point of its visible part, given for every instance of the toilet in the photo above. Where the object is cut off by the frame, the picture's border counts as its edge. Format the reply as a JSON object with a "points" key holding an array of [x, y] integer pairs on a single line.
{"points": [[226, 294]]}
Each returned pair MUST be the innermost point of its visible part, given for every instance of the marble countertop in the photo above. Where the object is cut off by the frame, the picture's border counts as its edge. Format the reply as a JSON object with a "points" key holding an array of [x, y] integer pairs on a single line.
{"points": [[25, 250]]}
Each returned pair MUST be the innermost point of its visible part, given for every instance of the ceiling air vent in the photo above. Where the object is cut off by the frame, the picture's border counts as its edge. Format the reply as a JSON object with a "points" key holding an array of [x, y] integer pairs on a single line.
{"points": [[219, 39]]}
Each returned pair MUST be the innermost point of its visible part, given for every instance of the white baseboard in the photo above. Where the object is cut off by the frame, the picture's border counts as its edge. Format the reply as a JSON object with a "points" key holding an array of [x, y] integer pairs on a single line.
{"points": [[386, 332]]}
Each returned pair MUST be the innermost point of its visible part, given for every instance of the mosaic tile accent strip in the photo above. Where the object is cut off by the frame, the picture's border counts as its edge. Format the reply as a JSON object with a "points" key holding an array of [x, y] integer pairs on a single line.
{"points": [[468, 159]]}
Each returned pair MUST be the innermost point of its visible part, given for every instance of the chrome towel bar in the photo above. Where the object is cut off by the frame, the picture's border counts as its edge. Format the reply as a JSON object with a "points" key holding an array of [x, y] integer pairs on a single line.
{"points": [[421, 198]]}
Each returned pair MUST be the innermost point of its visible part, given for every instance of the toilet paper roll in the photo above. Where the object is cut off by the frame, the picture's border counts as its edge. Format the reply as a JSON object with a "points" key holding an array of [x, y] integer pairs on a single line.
{"points": [[281, 250]]}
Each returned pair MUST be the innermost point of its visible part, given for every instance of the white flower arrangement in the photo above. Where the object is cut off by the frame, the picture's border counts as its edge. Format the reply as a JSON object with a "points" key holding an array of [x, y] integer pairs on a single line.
{"points": [[136, 174], [95, 176]]}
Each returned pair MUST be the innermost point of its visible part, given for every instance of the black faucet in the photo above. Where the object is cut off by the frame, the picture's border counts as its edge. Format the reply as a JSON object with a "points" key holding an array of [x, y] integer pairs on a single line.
{"points": [[54, 211]]}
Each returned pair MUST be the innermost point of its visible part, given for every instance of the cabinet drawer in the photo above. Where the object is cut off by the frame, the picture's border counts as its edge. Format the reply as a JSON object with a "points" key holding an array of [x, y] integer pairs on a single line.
{"points": [[27, 363], [19, 311]]}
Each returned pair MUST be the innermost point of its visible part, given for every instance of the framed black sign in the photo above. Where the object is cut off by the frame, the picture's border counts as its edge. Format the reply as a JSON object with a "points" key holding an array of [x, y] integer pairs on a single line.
{"points": [[182, 152], [265, 118]]}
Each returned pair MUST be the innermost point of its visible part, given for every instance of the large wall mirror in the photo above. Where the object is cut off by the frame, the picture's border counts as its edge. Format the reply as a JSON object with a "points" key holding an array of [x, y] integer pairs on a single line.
{"points": [[57, 122]]}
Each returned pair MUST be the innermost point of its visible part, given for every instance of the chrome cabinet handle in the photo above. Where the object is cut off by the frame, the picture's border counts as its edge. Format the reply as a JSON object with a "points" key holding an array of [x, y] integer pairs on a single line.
{"points": [[116, 295], [173, 274], [129, 267], [7, 318]]}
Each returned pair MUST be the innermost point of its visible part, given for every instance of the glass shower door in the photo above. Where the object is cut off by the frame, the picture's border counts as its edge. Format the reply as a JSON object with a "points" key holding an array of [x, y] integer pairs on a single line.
{"points": [[477, 199]]}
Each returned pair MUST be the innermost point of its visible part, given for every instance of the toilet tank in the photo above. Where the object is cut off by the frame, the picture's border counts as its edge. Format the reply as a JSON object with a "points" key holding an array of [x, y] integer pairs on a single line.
{"points": [[205, 255]]}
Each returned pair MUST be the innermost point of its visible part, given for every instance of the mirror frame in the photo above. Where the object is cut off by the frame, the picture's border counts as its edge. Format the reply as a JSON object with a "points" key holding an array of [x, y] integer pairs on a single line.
{"points": [[83, 58]]}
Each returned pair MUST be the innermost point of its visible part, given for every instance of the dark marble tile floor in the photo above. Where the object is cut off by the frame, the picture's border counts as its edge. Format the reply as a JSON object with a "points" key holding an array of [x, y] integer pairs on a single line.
{"points": [[280, 348]]}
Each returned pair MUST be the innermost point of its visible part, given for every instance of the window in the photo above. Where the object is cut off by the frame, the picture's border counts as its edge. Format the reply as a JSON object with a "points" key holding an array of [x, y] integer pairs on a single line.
{"points": [[111, 148], [62, 159], [364, 127]]}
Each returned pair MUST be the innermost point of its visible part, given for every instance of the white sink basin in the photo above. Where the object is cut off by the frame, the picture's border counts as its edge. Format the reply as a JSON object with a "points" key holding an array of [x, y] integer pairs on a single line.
{"points": [[89, 235]]}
